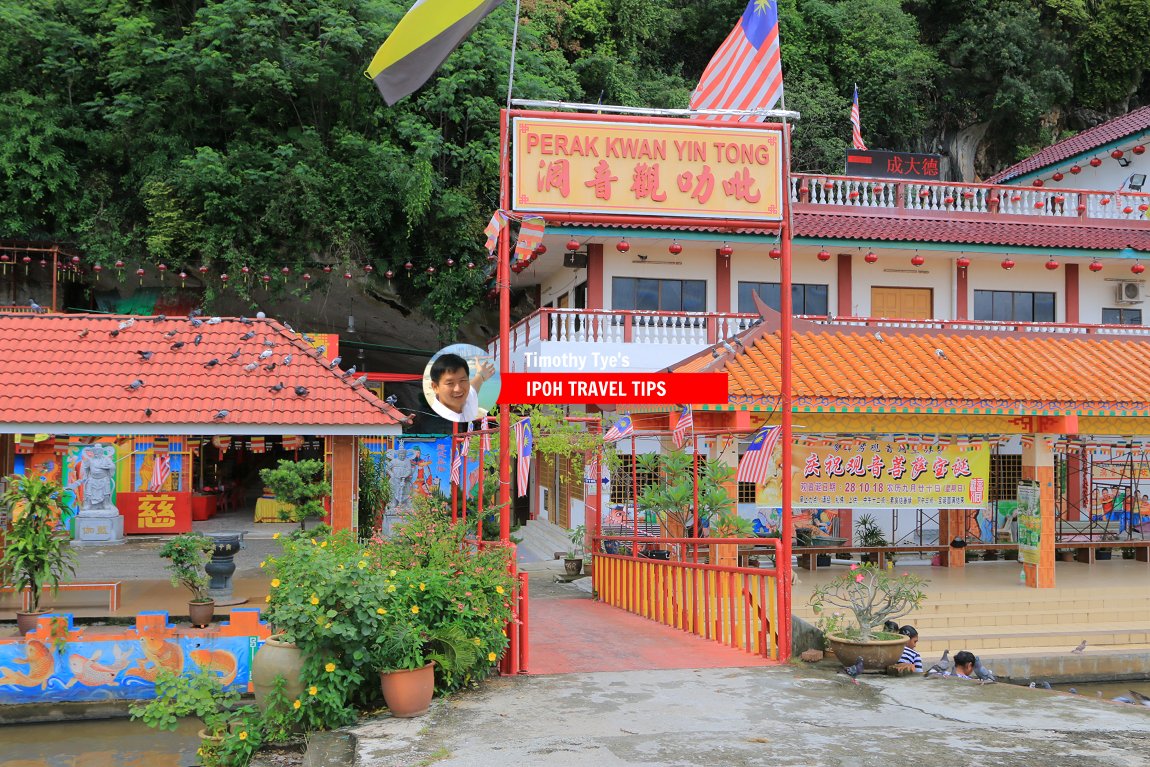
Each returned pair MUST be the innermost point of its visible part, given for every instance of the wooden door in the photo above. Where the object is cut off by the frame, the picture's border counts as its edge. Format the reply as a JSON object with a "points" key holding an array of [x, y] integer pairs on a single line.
{"points": [[902, 303]]}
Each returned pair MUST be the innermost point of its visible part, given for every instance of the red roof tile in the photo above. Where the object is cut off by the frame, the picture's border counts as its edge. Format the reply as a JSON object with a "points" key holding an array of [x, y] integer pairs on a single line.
{"points": [[1038, 234], [1087, 140], [71, 370]]}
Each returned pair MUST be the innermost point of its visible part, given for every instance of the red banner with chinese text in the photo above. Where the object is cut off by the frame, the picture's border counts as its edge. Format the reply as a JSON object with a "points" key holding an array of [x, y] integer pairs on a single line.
{"points": [[155, 513]]}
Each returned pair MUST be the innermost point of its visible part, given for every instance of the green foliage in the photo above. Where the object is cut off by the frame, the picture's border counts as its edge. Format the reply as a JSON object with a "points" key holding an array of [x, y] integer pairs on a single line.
{"points": [[871, 596], [300, 483], [189, 552], [35, 553], [672, 497], [867, 531], [374, 492], [578, 538]]}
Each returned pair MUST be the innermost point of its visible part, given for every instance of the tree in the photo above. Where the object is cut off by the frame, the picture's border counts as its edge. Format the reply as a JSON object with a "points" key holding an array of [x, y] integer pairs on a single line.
{"points": [[303, 484]]}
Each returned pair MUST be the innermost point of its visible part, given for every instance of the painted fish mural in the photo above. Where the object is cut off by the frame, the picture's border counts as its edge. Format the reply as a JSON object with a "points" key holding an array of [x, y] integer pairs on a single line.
{"points": [[220, 661], [88, 672], [161, 654], [41, 666]]}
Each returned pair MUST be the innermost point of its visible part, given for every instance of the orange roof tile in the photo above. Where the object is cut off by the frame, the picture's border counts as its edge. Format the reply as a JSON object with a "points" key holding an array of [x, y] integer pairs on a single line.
{"points": [[76, 371], [841, 368]]}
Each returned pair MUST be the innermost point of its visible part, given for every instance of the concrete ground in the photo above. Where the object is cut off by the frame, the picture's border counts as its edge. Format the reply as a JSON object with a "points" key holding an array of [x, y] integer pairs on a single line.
{"points": [[780, 715]]}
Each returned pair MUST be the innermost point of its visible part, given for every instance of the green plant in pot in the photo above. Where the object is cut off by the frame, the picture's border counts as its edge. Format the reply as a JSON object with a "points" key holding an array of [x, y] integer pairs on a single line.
{"points": [[407, 652], [36, 554], [868, 533], [302, 485], [188, 553], [573, 562], [853, 607]]}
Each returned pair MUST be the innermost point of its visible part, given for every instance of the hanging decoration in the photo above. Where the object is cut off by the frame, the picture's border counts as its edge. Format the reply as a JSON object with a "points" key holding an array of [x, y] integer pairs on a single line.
{"points": [[163, 270], [26, 260], [1137, 268], [494, 227], [823, 255], [222, 442], [530, 237], [775, 253], [622, 246], [140, 274], [285, 272], [870, 257], [1095, 162], [4, 258], [962, 262], [1008, 264], [572, 245], [265, 279], [674, 248], [726, 250], [917, 260], [306, 280], [1051, 264], [183, 279], [223, 281], [1095, 265]]}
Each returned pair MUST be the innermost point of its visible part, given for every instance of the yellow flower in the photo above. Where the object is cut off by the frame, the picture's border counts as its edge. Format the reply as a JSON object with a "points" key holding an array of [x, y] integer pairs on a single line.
{"points": [[362, 564], [264, 563], [314, 599], [244, 735], [329, 668], [391, 574], [275, 583], [491, 657], [312, 690], [503, 632], [477, 642], [313, 542], [423, 587], [498, 589], [275, 536], [339, 567], [391, 588], [415, 609], [296, 703], [268, 599], [323, 545], [381, 611], [327, 625]]}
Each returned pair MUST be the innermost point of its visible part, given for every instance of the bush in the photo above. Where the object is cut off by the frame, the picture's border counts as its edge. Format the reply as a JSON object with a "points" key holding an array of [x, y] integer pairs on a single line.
{"points": [[189, 553], [870, 595]]}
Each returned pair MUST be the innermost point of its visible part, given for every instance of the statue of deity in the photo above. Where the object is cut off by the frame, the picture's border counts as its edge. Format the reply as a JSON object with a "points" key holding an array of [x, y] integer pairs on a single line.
{"points": [[98, 478]]}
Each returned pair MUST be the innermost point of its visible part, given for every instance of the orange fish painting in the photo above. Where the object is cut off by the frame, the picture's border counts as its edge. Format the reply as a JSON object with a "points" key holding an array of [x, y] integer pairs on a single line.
{"points": [[162, 655], [220, 661], [88, 672], [41, 666]]}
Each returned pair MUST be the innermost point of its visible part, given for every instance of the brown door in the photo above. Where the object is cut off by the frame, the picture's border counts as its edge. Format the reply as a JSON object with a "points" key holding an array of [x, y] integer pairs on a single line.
{"points": [[902, 303]]}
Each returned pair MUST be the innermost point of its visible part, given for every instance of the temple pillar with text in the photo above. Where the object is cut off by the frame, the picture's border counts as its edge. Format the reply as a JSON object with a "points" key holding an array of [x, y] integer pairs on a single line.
{"points": [[1038, 466]]}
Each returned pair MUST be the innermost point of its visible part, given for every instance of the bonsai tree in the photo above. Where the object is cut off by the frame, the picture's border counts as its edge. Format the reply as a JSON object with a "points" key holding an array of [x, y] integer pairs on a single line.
{"points": [[871, 596], [300, 483], [35, 553], [189, 552]]}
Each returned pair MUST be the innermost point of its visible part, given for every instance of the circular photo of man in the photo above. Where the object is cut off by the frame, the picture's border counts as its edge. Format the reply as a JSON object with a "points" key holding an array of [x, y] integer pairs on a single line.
{"points": [[461, 383]]}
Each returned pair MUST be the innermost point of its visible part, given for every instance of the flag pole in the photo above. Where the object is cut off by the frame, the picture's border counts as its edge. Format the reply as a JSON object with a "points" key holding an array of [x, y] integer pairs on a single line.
{"points": [[514, 46], [786, 310], [503, 283]]}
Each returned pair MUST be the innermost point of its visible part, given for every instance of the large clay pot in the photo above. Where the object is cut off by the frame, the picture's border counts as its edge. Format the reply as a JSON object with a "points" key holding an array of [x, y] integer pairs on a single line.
{"points": [[200, 613], [573, 566], [877, 654], [26, 622], [408, 693], [277, 658]]}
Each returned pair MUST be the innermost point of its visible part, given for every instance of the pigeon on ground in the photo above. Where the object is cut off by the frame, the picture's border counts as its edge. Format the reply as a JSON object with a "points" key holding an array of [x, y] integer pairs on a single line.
{"points": [[855, 670], [248, 335], [212, 362], [1033, 685], [134, 385], [172, 333], [1045, 685], [145, 356], [251, 366], [982, 673], [221, 415], [334, 363], [301, 391], [199, 337], [1081, 648], [942, 666], [277, 388], [236, 354], [1073, 691], [265, 354]]}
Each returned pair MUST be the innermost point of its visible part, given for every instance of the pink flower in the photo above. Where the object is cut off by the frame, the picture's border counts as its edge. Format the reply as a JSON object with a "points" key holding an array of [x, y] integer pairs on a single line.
{"points": [[860, 578], [854, 567]]}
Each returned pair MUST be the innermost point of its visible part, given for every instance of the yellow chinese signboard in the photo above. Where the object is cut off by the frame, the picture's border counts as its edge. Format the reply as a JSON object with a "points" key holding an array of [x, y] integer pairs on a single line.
{"points": [[647, 169], [881, 474]]}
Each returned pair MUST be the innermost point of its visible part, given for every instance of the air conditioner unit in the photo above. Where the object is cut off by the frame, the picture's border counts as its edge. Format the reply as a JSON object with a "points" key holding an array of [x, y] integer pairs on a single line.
{"points": [[1129, 293]]}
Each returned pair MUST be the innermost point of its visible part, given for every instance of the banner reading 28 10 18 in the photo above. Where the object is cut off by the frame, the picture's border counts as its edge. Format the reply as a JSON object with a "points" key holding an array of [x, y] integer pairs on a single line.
{"points": [[881, 474]]}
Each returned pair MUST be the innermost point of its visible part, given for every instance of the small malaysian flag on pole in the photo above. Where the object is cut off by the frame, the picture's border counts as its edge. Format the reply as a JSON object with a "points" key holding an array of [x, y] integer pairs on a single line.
{"points": [[856, 124], [160, 472], [485, 437], [620, 429], [685, 424], [746, 72], [756, 461], [523, 465], [456, 464]]}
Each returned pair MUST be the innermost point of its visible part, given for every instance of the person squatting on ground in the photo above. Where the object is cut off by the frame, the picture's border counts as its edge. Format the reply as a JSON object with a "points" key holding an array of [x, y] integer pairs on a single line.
{"points": [[963, 665], [910, 660]]}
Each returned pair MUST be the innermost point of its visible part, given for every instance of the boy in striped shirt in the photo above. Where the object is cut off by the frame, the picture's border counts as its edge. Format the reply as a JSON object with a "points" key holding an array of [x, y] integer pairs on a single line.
{"points": [[910, 660]]}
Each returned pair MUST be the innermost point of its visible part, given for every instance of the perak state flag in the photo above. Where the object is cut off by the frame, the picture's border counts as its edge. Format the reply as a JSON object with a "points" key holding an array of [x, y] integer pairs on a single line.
{"points": [[756, 462], [746, 72], [421, 42]]}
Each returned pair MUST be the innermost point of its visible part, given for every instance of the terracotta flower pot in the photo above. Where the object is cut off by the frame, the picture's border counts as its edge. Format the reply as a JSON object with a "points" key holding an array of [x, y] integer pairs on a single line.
{"points": [[200, 613], [26, 622], [277, 658], [408, 693], [877, 654]]}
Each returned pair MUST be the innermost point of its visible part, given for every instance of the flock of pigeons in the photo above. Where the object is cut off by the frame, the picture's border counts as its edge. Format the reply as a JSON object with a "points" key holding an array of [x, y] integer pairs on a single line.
{"points": [[267, 358]]}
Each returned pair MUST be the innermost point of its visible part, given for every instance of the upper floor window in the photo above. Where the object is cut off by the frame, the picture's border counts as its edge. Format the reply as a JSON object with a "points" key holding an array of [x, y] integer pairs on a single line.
{"points": [[1121, 316], [659, 295], [807, 299], [1013, 306]]}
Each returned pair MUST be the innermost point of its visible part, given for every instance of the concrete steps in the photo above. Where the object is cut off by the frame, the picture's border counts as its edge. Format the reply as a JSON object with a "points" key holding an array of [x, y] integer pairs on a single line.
{"points": [[540, 539]]}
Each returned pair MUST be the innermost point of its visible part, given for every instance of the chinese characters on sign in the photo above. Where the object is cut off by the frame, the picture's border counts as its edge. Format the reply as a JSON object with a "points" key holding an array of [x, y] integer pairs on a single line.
{"points": [[879, 474], [875, 163], [646, 169], [164, 513]]}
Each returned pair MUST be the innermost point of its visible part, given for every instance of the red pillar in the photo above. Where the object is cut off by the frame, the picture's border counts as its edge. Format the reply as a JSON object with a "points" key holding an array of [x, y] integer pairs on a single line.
{"points": [[1072, 300], [844, 286], [594, 275], [962, 288], [722, 282]]}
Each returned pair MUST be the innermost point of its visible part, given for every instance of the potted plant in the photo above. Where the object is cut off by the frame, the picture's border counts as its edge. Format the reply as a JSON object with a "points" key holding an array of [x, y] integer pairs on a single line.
{"points": [[302, 485], [187, 554], [573, 562], [35, 554], [407, 652], [853, 607], [868, 533]]}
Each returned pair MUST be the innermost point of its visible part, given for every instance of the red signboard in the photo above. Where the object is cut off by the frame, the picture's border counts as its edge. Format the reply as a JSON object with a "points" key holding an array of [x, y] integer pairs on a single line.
{"points": [[155, 513], [614, 388]]}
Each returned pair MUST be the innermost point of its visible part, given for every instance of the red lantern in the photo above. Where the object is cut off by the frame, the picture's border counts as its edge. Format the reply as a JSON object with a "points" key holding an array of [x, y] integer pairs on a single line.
{"points": [[853, 195], [1037, 182], [450, 262], [1117, 154], [203, 270], [75, 260], [490, 256], [828, 185], [183, 279], [1095, 162], [775, 254], [347, 276], [1051, 265], [245, 270], [1104, 201], [43, 263], [1075, 169], [1144, 207], [431, 270], [962, 262], [924, 193], [327, 269], [470, 264], [539, 251], [1127, 210], [285, 272], [1138, 149], [97, 268], [726, 250], [140, 274], [1008, 264], [1015, 197], [1138, 268], [266, 278], [1081, 208], [1039, 205], [1095, 266], [306, 278], [368, 268], [823, 255], [917, 260], [224, 279], [389, 274], [163, 269], [968, 195], [674, 248], [1058, 176], [1059, 199], [870, 257], [948, 200], [572, 244], [409, 266], [622, 246]]}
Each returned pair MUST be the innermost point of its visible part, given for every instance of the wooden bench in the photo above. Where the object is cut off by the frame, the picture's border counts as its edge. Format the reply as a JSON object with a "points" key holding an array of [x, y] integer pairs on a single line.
{"points": [[1100, 527], [646, 530], [1086, 551], [112, 587]]}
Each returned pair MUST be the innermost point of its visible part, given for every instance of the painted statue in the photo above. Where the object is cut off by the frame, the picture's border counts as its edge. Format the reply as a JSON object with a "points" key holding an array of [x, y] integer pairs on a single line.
{"points": [[98, 478]]}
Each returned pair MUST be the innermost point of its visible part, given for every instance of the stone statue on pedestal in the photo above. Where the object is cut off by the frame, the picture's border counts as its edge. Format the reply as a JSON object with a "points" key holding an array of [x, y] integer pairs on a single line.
{"points": [[98, 521]]}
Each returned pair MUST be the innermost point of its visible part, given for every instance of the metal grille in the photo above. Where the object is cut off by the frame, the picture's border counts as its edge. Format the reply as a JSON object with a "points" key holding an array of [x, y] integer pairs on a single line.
{"points": [[622, 491], [747, 492]]}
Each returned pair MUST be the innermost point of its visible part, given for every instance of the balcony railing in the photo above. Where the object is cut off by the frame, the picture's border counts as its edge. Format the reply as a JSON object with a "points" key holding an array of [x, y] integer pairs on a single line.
{"points": [[810, 192]]}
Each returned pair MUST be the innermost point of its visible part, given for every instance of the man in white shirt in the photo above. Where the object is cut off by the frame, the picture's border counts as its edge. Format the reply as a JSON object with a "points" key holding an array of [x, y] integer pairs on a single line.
{"points": [[456, 392]]}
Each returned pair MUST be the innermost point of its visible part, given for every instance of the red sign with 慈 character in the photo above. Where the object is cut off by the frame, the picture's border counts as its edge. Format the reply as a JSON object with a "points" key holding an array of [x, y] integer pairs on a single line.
{"points": [[155, 513]]}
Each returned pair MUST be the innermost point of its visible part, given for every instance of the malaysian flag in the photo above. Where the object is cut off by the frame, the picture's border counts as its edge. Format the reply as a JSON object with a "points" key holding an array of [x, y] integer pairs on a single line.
{"points": [[485, 436], [456, 465], [161, 470], [746, 72], [856, 124], [621, 428], [523, 465], [755, 463], [686, 423]]}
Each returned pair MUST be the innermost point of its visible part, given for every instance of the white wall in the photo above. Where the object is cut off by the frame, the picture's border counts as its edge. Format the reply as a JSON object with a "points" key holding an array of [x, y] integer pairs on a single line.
{"points": [[894, 270], [1109, 176], [1098, 290], [752, 263], [560, 282], [697, 263]]}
